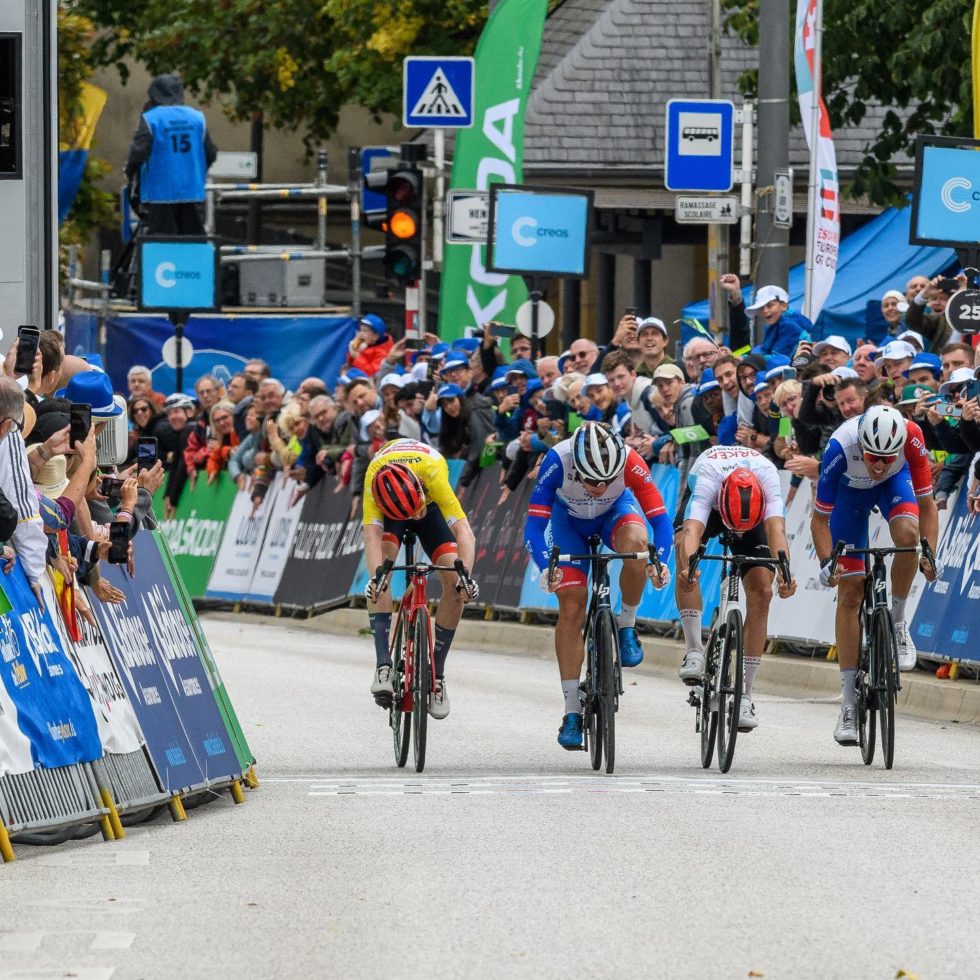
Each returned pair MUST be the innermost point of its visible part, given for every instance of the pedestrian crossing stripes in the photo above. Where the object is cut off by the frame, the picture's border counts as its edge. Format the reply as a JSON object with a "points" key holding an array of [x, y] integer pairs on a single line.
{"points": [[651, 784]]}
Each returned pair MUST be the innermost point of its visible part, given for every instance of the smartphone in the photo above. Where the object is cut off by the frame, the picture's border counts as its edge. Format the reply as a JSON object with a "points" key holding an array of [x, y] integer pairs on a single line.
{"points": [[950, 411], [146, 453], [949, 285], [110, 486], [28, 338], [789, 374], [118, 543], [972, 389], [502, 330], [80, 420], [630, 311], [414, 343], [510, 390]]}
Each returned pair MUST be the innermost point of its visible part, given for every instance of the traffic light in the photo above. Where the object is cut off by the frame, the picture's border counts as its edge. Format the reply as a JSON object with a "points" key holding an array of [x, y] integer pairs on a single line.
{"points": [[404, 223]]}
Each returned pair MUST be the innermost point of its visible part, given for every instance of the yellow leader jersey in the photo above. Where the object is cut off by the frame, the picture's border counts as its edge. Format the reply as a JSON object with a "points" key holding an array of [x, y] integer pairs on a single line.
{"points": [[428, 464]]}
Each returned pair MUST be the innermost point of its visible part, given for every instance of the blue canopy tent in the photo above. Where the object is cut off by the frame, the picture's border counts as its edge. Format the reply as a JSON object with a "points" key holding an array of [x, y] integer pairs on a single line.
{"points": [[875, 258]]}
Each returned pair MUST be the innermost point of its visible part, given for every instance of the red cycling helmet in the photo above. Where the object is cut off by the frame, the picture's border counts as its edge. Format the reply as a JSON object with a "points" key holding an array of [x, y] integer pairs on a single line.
{"points": [[398, 492], [741, 503]]}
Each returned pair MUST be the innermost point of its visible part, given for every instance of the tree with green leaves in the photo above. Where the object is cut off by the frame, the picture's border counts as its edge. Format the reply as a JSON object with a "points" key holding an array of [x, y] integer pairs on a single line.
{"points": [[912, 58]]}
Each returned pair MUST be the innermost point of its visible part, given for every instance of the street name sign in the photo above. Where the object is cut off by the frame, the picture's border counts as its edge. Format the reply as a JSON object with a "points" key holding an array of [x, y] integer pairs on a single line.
{"points": [[468, 217]]}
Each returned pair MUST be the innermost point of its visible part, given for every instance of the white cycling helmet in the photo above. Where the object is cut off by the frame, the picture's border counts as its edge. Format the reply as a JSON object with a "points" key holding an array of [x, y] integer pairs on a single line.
{"points": [[882, 430], [598, 453]]}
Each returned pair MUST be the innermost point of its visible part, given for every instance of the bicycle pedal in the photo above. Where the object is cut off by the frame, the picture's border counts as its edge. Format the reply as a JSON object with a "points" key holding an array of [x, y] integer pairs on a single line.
{"points": [[694, 699], [383, 700]]}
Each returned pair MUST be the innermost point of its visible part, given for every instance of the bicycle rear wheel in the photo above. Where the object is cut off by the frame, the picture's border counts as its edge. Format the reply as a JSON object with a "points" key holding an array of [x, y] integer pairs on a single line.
{"points": [[708, 719], [886, 654], [398, 718], [606, 657], [866, 698], [729, 689], [421, 685]]}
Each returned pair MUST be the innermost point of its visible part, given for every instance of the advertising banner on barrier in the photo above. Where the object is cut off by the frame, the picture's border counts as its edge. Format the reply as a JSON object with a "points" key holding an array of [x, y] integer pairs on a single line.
{"points": [[238, 554], [43, 694], [155, 652], [239, 742], [119, 730], [947, 619], [324, 533], [280, 531], [194, 532]]}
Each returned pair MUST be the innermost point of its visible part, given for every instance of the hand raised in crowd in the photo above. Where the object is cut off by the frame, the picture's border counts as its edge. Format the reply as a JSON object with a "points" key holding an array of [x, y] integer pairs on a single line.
{"points": [[152, 479], [8, 559], [668, 453], [37, 371], [804, 466], [971, 410], [10, 360], [822, 380], [59, 443], [431, 402], [87, 449], [299, 492], [625, 331], [973, 500], [168, 509], [744, 434], [509, 402], [128, 495], [729, 282], [65, 565], [106, 592]]}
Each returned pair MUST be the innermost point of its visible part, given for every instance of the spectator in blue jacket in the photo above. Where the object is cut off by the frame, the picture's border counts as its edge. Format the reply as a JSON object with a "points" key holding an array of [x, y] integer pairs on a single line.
{"points": [[784, 328]]}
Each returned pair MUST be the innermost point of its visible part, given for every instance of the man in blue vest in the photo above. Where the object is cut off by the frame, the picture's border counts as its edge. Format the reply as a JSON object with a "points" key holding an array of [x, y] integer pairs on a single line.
{"points": [[169, 156]]}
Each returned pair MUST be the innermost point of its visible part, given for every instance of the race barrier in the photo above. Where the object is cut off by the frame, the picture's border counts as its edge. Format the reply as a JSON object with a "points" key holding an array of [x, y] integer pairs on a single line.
{"points": [[307, 557], [100, 720]]}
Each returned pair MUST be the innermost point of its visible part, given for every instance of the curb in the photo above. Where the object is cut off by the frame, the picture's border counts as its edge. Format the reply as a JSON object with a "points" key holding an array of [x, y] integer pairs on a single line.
{"points": [[921, 696]]}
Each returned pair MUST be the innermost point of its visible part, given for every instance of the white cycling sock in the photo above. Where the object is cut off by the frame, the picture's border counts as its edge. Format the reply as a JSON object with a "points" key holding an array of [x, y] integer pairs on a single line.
{"points": [[751, 669], [898, 608], [691, 624], [627, 617], [573, 706], [847, 688]]}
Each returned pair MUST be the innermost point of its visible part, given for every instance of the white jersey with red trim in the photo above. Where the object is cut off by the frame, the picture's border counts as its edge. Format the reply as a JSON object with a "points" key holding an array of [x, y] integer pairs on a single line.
{"points": [[713, 465]]}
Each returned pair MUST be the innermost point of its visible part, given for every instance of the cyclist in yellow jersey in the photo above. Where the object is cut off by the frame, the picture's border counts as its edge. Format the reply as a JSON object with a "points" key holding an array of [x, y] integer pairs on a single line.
{"points": [[406, 488]]}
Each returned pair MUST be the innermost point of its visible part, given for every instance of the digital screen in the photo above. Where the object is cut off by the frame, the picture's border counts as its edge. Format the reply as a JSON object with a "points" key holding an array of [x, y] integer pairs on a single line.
{"points": [[178, 274], [946, 200]]}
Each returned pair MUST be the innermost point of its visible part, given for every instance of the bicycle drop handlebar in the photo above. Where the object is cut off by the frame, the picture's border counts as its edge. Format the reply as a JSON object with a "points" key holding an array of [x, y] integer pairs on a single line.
{"points": [[651, 556], [923, 550], [780, 563], [383, 572]]}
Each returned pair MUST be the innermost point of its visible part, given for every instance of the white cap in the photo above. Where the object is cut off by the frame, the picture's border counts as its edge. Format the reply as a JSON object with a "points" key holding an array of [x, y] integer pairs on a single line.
{"points": [[897, 350], [766, 295], [397, 380], [594, 381], [652, 321], [917, 337], [844, 372], [369, 418], [958, 377], [835, 341]]}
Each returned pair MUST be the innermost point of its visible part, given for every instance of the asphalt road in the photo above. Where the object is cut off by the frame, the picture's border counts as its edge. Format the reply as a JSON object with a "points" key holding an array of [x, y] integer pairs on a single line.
{"points": [[509, 857]]}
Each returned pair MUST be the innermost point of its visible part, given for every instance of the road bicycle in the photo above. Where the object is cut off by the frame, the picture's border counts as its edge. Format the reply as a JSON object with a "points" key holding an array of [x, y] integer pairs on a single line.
{"points": [[877, 679], [603, 685], [412, 653], [719, 698]]}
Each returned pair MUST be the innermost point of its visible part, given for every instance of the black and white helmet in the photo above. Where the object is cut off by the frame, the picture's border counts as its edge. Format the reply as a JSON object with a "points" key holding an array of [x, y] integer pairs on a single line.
{"points": [[598, 453], [882, 431]]}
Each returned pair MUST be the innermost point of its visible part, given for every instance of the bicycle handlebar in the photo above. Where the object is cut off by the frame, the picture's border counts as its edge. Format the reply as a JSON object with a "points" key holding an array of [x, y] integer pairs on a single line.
{"points": [[923, 549], [555, 556], [383, 572], [780, 563]]}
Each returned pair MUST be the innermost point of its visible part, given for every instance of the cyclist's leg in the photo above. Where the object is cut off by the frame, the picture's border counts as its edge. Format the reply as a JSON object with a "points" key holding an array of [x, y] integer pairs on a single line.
{"points": [[439, 544], [757, 580], [624, 528], [897, 502], [379, 613], [690, 606]]}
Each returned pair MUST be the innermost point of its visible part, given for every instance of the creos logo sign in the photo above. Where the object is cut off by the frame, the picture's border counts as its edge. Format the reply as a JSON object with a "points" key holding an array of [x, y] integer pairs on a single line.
{"points": [[167, 275], [527, 240], [954, 184]]}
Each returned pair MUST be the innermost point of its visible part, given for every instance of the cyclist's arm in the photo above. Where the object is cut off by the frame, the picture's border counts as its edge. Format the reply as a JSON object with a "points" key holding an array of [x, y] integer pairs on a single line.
{"points": [[823, 544], [639, 480], [833, 466], [688, 541], [539, 509], [776, 535], [373, 555], [465, 541]]}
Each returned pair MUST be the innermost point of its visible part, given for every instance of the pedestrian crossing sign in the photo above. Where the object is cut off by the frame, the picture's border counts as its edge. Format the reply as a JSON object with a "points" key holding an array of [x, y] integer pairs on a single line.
{"points": [[437, 92]]}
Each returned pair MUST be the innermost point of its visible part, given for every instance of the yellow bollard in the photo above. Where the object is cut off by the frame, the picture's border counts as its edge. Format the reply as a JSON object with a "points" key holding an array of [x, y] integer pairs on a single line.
{"points": [[237, 793], [177, 811], [118, 831], [105, 826], [832, 654], [252, 779], [954, 671], [6, 849]]}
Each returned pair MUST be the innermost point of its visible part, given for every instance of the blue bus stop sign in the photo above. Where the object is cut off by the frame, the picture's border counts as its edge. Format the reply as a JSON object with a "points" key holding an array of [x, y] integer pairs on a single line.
{"points": [[700, 145], [437, 92]]}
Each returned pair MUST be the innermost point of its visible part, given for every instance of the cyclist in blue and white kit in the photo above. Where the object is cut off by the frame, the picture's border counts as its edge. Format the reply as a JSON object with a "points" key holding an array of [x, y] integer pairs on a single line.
{"points": [[875, 460], [593, 484]]}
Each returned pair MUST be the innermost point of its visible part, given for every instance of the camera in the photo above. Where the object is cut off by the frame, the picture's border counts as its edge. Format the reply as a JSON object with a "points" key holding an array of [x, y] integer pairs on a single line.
{"points": [[949, 285]]}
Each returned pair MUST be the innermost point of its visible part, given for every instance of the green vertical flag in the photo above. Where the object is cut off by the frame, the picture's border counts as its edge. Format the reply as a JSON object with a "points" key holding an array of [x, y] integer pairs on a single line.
{"points": [[492, 152]]}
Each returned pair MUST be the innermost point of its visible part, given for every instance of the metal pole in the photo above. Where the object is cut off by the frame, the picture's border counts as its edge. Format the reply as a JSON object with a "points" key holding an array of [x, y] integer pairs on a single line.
{"points": [[354, 182], [812, 202], [438, 205], [717, 234], [535, 295], [321, 204], [772, 243], [745, 231]]}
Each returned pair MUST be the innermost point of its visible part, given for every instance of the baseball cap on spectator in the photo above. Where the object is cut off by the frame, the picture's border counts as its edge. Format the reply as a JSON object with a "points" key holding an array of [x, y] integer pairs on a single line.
{"points": [[177, 400], [897, 350], [653, 322], [497, 384], [351, 374], [913, 338], [468, 344], [46, 426], [760, 386], [594, 381], [522, 366], [777, 360], [416, 354], [668, 372], [439, 350], [708, 382], [912, 393], [899, 297], [449, 391], [454, 359], [563, 360], [368, 418], [766, 295], [373, 322], [776, 372], [94, 388], [959, 377], [925, 362], [395, 380], [844, 372], [834, 341]]}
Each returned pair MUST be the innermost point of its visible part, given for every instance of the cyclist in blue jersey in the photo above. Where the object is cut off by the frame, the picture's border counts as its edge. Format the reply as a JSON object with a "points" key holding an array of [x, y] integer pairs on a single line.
{"points": [[593, 484]]}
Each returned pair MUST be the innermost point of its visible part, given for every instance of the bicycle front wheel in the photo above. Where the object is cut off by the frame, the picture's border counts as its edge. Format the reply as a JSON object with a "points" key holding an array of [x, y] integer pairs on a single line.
{"points": [[866, 697], [421, 685], [729, 687], [886, 655], [399, 719], [707, 718], [607, 656]]}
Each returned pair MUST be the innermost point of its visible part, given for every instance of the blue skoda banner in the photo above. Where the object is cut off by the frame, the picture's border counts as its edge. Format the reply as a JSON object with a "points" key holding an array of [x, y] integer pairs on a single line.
{"points": [[42, 694], [178, 275], [299, 346], [537, 232], [946, 621], [946, 198]]}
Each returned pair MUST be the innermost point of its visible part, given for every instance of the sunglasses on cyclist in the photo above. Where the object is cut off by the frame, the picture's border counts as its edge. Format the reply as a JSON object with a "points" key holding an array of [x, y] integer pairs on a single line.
{"points": [[876, 458], [595, 484]]}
